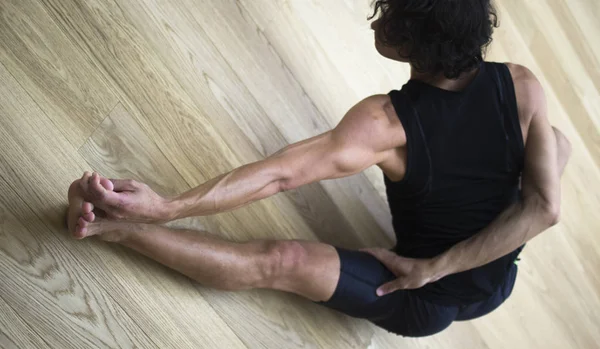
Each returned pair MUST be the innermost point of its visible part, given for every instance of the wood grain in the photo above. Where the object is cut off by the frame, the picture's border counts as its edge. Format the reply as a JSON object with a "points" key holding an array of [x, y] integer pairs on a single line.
{"points": [[173, 93], [53, 280], [15, 332], [66, 85]]}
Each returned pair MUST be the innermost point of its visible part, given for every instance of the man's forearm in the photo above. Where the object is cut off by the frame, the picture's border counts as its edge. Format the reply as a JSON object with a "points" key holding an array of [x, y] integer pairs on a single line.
{"points": [[226, 192], [516, 225]]}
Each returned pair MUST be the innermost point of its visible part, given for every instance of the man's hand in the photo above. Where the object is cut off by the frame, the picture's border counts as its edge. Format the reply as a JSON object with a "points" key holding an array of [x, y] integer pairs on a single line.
{"points": [[124, 199], [410, 272]]}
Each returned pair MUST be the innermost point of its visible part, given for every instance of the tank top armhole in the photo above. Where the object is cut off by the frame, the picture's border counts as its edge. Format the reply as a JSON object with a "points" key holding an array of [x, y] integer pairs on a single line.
{"points": [[512, 104], [508, 102], [418, 177], [399, 101]]}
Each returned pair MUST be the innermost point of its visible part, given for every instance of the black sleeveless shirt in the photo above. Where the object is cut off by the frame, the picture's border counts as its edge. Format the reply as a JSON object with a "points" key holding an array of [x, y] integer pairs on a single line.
{"points": [[465, 155]]}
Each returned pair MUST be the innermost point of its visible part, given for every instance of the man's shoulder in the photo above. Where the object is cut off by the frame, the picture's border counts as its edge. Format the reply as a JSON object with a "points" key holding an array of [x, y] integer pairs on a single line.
{"points": [[523, 76], [528, 91], [374, 119], [374, 104], [378, 107]]}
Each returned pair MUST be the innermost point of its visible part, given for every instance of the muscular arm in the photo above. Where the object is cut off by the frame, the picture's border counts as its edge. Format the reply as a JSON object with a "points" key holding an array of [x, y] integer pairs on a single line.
{"points": [[539, 207], [364, 137]]}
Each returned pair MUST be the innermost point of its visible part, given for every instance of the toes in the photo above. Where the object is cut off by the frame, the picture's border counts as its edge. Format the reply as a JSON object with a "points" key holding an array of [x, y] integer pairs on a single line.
{"points": [[81, 228], [82, 223], [80, 233], [87, 207], [89, 217]]}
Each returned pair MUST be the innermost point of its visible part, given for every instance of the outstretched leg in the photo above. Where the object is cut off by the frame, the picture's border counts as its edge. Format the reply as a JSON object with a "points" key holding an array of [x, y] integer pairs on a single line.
{"points": [[309, 269]]}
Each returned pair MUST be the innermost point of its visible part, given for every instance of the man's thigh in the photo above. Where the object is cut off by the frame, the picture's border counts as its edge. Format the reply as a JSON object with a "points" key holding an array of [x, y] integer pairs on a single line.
{"points": [[403, 312]]}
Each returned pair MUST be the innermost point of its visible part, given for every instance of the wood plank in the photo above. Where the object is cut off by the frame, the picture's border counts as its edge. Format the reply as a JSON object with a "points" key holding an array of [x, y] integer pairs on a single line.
{"points": [[563, 68], [38, 165], [65, 84], [120, 149], [48, 288], [201, 87], [14, 332]]}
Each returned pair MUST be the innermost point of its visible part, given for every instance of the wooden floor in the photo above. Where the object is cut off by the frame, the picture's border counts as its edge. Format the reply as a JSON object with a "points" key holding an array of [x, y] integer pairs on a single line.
{"points": [[175, 92]]}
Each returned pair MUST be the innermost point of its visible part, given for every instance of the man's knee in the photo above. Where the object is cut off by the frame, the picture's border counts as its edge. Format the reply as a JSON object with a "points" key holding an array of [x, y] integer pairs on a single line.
{"points": [[281, 263]]}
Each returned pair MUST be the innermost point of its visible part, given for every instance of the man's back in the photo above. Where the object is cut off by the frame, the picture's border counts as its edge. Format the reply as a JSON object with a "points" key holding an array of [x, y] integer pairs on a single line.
{"points": [[464, 157]]}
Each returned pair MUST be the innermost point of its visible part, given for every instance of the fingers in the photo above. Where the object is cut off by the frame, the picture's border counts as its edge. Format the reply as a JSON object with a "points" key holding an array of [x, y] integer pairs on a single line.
{"points": [[99, 184], [106, 183], [95, 183], [390, 287], [84, 182], [91, 186], [123, 184], [98, 193], [384, 256], [390, 260]]}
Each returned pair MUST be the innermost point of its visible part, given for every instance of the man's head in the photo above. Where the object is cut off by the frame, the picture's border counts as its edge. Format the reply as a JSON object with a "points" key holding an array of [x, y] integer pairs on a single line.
{"points": [[445, 37]]}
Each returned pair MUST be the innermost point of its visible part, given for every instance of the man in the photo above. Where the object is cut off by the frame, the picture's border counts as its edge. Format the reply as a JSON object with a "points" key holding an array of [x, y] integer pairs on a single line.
{"points": [[471, 167]]}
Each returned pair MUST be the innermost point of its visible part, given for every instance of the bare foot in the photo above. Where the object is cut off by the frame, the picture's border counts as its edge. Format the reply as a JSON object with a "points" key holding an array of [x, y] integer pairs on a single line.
{"points": [[83, 222], [82, 218], [80, 213]]}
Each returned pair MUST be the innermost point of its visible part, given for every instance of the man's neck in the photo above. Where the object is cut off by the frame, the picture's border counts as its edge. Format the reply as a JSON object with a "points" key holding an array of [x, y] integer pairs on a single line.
{"points": [[440, 81]]}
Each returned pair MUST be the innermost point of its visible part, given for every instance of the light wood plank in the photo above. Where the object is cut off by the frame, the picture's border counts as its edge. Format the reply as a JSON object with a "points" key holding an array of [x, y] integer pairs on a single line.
{"points": [[120, 149], [565, 67], [14, 331], [174, 93], [63, 83], [39, 164], [44, 285]]}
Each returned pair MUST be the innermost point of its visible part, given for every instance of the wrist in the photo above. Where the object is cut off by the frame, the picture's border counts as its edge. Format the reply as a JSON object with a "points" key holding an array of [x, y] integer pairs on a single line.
{"points": [[440, 266], [171, 209]]}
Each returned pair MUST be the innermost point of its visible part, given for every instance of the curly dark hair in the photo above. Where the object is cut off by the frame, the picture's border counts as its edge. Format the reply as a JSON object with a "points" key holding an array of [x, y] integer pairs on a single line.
{"points": [[437, 36]]}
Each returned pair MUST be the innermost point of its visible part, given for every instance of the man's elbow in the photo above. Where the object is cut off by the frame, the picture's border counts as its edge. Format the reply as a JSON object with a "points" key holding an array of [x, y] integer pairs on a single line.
{"points": [[546, 210], [551, 212], [284, 185], [287, 184]]}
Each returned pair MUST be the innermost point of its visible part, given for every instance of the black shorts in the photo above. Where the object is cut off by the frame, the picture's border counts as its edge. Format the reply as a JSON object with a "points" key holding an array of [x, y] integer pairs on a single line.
{"points": [[402, 312]]}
